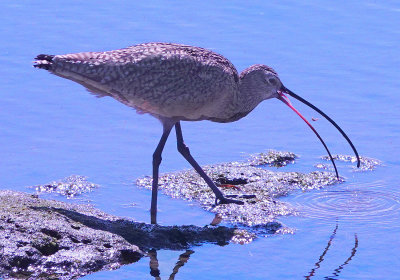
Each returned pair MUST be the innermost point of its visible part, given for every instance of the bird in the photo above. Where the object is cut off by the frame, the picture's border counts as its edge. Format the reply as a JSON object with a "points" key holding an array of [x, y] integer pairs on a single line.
{"points": [[175, 83]]}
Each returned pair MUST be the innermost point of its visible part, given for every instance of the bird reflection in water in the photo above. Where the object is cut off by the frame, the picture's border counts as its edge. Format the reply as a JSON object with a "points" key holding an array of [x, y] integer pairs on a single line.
{"points": [[154, 270], [338, 270]]}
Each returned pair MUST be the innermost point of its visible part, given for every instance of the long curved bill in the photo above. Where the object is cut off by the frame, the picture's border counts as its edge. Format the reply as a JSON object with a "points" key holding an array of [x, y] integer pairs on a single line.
{"points": [[284, 99]]}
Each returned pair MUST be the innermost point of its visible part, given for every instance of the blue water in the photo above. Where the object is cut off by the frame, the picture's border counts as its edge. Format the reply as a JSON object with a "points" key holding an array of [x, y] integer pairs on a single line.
{"points": [[342, 56]]}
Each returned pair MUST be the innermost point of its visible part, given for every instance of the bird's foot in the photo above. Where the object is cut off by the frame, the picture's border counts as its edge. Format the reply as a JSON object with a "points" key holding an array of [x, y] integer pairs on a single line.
{"points": [[227, 200], [224, 200], [245, 196]]}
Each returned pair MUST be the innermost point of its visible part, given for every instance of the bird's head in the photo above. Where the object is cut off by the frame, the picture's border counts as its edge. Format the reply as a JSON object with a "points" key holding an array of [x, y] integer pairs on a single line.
{"points": [[263, 82]]}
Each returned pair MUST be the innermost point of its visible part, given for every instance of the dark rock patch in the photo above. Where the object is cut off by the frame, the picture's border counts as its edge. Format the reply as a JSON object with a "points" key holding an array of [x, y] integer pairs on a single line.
{"points": [[51, 233]]}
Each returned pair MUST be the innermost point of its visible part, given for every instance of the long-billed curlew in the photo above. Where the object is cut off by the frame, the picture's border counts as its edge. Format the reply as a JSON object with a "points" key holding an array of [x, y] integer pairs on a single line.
{"points": [[174, 83]]}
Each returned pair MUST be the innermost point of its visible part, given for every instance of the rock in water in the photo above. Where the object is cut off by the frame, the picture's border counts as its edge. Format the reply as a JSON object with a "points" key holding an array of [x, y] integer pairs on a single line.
{"points": [[46, 239]]}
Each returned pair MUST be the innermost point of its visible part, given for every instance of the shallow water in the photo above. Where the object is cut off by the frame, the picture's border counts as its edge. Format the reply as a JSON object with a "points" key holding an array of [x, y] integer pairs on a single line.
{"points": [[341, 56]]}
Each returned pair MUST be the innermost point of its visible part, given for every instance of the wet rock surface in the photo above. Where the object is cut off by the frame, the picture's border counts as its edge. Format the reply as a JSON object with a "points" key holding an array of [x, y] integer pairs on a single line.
{"points": [[272, 158], [46, 239], [245, 178]]}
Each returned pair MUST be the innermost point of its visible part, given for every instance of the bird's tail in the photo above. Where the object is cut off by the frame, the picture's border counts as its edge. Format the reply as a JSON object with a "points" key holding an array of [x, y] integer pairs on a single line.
{"points": [[44, 61]]}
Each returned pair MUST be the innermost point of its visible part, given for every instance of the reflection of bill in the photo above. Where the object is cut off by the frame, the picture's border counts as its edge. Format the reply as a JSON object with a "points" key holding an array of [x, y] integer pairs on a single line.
{"points": [[340, 267], [353, 253]]}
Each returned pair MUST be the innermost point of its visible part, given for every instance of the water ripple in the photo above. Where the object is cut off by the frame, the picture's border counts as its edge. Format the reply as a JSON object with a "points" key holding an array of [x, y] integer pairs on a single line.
{"points": [[372, 207]]}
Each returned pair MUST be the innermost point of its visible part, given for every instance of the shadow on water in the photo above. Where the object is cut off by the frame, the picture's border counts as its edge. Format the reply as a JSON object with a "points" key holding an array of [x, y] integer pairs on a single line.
{"points": [[148, 237], [339, 269]]}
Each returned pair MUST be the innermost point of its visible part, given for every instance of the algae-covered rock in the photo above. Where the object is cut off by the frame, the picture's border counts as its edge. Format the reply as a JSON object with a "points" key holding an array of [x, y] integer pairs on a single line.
{"points": [[46, 239], [241, 180]]}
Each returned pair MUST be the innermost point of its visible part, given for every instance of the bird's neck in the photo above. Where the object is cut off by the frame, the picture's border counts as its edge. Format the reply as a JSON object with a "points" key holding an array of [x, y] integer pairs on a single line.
{"points": [[248, 96], [242, 103], [244, 98]]}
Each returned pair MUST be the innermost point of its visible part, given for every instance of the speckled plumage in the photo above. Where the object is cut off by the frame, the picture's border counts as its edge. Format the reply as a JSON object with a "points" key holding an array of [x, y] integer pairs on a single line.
{"points": [[164, 79]]}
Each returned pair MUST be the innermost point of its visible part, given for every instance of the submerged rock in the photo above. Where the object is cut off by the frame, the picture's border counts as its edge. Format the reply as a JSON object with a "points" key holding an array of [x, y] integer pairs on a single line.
{"points": [[69, 187], [366, 163], [240, 179], [46, 239]]}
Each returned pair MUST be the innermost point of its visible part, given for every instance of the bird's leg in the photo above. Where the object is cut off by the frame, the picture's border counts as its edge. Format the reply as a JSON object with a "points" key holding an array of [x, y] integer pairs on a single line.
{"points": [[156, 164], [183, 258], [184, 150], [154, 266]]}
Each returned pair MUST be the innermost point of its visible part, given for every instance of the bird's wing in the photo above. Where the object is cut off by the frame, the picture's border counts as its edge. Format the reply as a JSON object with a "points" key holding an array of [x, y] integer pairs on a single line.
{"points": [[159, 78]]}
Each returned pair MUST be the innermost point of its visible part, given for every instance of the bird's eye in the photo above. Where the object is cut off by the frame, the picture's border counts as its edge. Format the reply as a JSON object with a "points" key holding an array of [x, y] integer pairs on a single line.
{"points": [[272, 81]]}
